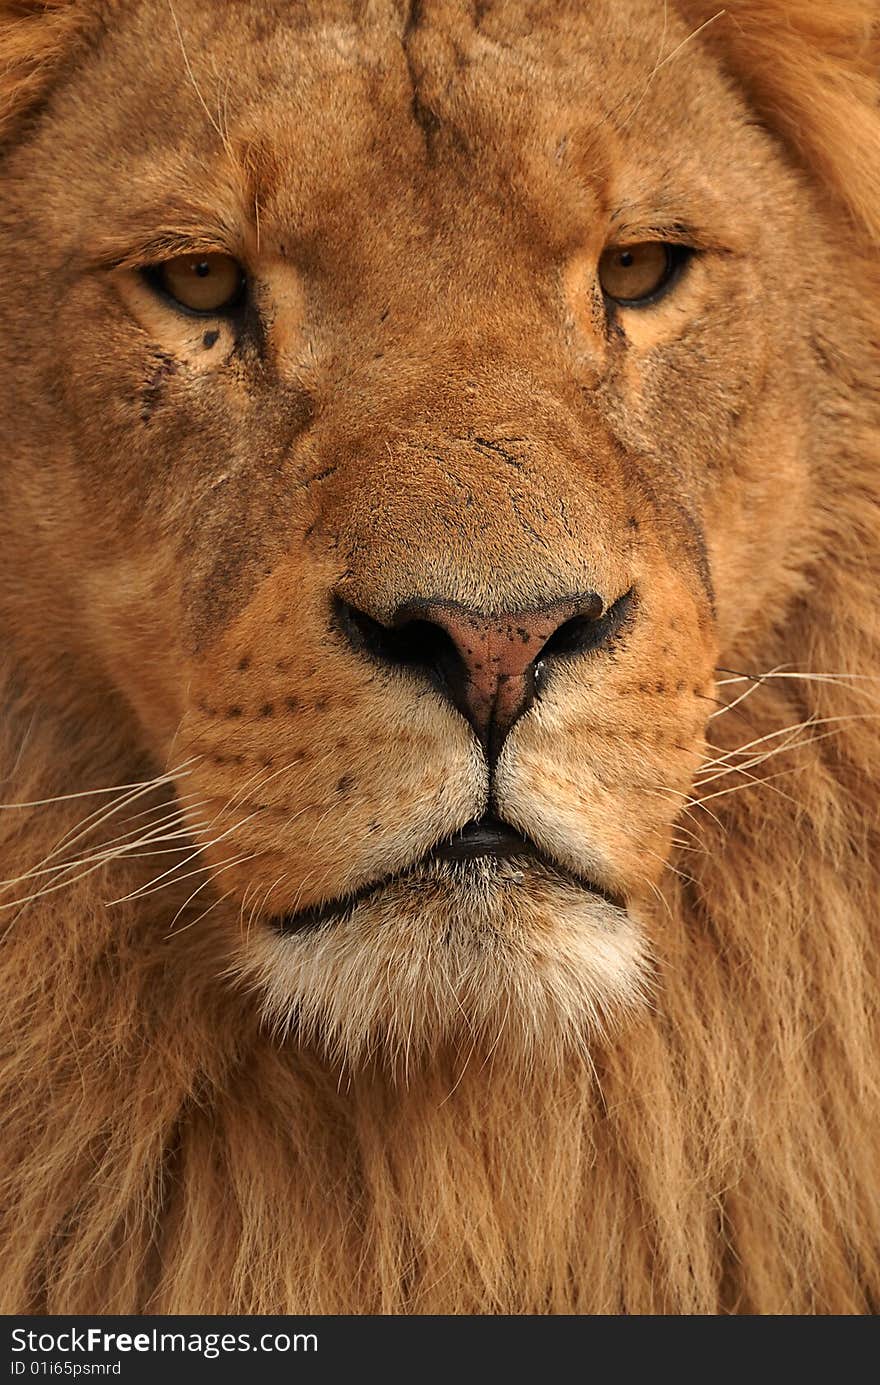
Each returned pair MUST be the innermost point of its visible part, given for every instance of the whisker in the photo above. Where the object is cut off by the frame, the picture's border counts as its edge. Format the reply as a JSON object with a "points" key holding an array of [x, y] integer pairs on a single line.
{"points": [[841, 680], [655, 889], [731, 706], [156, 888], [97, 817], [194, 83], [204, 914], [124, 845], [202, 847], [161, 882], [299, 894], [666, 865], [786, 730], [198, 889], [110, 788], [738, 788], [662, 62], [688, 799], [758, 779], [260, 911], [21, 749]]}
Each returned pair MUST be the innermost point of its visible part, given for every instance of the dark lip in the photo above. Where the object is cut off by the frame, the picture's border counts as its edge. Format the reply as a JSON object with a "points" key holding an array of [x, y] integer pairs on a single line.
{"points": [[487, 838]]}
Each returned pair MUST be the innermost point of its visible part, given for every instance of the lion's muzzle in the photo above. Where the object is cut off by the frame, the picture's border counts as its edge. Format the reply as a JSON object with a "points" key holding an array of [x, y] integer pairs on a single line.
{"points": [[489, 666]]}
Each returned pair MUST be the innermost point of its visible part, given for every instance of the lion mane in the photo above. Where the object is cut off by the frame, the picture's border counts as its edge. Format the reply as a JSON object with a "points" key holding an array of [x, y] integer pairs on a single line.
{"points": [[163, 1152]]}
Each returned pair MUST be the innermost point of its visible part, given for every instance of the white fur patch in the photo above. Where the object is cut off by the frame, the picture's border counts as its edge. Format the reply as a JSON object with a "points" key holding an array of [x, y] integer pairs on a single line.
{"points": [[490, 956]]}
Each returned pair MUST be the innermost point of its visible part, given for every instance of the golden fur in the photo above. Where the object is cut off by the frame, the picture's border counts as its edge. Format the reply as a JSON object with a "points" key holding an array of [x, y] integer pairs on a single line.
{"points": [[532, 1101]]}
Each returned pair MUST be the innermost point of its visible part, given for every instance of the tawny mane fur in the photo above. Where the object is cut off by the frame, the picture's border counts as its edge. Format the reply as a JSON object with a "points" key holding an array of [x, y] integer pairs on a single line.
{"points": [[712, 1149]]}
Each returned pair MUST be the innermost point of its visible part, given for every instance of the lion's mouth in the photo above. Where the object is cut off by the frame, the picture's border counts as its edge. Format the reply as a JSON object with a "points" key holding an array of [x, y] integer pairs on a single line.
{"points": [[487, 840], [489, 837]]}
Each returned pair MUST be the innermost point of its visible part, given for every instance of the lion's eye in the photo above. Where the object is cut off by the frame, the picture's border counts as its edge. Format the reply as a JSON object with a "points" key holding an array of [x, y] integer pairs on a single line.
{"points": [[636, 274], [202, 283]]}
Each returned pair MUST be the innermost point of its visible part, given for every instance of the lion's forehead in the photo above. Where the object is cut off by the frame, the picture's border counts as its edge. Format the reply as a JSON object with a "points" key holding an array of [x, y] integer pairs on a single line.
{"points": [[520, 115]]}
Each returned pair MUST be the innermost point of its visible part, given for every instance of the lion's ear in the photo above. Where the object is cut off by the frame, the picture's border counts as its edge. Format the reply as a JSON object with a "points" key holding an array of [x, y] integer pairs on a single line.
{"points": [[36, 37], [811, 69]]}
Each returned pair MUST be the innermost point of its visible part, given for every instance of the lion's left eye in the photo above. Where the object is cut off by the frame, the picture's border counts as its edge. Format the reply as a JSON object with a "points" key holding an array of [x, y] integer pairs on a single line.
{"points": [[202, 283], [635, 275]]}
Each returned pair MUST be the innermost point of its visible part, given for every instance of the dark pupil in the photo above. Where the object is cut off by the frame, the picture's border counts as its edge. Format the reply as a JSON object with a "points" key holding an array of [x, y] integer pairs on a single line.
{"points": [[202, 269], [626, 259]]}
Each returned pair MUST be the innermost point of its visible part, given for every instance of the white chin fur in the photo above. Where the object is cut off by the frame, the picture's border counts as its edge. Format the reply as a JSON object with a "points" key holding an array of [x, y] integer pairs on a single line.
{"points": [[502, 958]]}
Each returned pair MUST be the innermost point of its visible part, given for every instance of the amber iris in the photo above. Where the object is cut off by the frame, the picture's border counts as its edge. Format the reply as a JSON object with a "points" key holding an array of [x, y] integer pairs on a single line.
{"points": [[635, 274], [203, 283]]}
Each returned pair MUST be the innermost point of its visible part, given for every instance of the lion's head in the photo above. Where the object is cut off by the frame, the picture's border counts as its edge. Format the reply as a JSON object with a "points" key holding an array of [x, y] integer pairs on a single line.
{"points": [[411, 409]]}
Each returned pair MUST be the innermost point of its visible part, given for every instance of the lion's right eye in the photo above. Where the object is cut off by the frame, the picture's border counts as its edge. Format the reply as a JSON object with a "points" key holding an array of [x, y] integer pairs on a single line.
{"points": [[200, 283], [636, 275]]}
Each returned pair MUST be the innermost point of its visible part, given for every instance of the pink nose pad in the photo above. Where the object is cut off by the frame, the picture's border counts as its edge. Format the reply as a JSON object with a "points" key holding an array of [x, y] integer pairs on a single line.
{"points": [[498, 656]]}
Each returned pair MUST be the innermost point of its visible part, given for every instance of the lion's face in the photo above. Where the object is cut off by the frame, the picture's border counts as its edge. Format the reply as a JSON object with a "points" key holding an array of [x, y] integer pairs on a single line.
{"points": [[419, 551]]}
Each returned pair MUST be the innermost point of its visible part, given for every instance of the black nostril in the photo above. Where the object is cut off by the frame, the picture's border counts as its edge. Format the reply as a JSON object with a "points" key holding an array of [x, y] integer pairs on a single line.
{"points": [[585, 632], [407, 643], [575, 636]]}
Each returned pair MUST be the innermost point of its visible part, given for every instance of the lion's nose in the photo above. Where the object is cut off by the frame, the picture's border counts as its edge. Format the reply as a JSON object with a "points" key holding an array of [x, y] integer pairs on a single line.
{"points": [[487, 665]]}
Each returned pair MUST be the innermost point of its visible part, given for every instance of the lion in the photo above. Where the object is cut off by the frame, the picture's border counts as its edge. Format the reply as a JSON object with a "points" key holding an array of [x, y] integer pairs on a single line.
{"points": [[440, 512]]}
